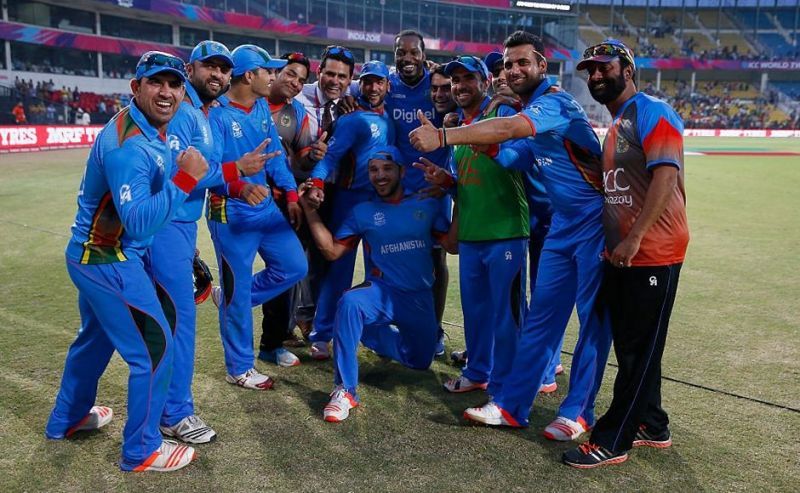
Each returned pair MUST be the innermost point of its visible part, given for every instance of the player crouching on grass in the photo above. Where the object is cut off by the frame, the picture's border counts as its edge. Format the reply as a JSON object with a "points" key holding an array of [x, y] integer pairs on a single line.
{"points": [[392, 311], [125, 197]]}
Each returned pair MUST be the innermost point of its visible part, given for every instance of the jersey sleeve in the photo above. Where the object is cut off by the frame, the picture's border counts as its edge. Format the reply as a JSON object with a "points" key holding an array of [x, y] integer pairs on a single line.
{"points": [[344, 135], [545, 114], [506, 110], [516, 154], [129, 180], [661, 134], [349, 233]]}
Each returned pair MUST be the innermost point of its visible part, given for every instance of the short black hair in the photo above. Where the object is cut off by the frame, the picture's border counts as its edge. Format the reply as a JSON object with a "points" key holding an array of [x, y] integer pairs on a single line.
{"points": [[339, 56], [439, 70], [410, 32], [519, 38]]}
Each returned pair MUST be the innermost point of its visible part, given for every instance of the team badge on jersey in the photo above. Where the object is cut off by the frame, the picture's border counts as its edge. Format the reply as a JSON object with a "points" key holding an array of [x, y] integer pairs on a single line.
{"points": [[286, 120], [236, 129], [379, 218], [174, 143], [419, 214], [622, 145], [376, 132]]}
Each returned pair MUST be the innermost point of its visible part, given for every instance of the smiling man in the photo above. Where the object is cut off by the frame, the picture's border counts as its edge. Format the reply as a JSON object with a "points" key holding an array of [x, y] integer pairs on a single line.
{"points": [[392, 311], [354, 138], [551, 136], [129, 191]]}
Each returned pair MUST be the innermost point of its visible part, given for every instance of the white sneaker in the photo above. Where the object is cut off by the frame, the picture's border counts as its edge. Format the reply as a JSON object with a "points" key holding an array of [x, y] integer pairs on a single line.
{"points": [[190, 429], [170, 456], [463, 384], [320, 351], [564, 429], [251, 379], [98, 417], [216, 295], [281, 357], [491, 414], [338, 408]]}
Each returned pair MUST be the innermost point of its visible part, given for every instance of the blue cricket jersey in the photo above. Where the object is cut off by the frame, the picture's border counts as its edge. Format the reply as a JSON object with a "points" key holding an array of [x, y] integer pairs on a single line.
{"points": [[238, 130], [402, 104], [354, 137], [398, 237], [565, 150], [190, 127], [126, 193]]}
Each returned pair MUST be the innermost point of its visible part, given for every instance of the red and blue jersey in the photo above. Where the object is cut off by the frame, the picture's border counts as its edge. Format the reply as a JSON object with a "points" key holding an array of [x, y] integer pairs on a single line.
{"points": [[645, 133], [402, 104], [130, 189], [190, 127], [566, 151], [398, 237], [238, 130], [355, 135]]}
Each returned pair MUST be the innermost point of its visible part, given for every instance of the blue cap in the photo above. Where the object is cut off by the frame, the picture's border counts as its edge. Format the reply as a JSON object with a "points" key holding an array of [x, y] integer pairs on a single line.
{"points": [[387, 153], [376, 68], [210, 49], [470, 64], [491, 59], [155, 62], [251, 57]]}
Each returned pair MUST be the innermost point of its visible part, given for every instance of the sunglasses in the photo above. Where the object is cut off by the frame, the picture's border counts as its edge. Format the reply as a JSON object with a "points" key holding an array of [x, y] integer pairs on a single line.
{"points": [[296, 57], [339, 51], [160, 60], [609, 49]]}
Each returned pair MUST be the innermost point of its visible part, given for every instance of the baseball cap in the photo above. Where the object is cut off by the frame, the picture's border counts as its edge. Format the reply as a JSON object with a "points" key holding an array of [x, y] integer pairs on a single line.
{"points": [[155, 62], [491, 60], [605, 52], [251, 57], [470, 64], [376, 68], [210, 49], [387, 153]]}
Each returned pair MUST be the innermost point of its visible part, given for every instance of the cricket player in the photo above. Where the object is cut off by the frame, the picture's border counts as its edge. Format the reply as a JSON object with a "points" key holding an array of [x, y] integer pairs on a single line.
{"points": [[555, 135], [129, 191], [240, 230], [399, 229], [354, 138], [170, 258], [646, 238]]}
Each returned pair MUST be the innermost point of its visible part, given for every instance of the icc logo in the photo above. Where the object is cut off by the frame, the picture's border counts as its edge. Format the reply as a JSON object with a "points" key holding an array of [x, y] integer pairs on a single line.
{"points": [[236, 129], [174, 143], [379, 219], [125, 194], [160, 161], [376, 132], [612, 182]]}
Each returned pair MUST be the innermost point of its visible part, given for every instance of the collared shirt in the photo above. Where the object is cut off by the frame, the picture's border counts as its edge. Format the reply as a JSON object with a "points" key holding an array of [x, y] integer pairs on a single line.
{"points": [[126, 194]]}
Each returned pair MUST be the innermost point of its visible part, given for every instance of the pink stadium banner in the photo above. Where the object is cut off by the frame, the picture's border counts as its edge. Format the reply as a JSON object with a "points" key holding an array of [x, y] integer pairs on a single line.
{"points": [[28, 138], [727, 132]]}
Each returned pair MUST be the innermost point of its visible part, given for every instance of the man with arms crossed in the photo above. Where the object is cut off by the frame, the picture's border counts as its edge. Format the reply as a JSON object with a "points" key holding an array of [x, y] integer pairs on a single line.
{"points": [[646, 237]]}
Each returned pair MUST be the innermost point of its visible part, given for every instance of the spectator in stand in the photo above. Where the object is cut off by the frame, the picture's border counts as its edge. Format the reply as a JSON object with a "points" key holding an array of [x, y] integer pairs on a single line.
{"points": [[18, 111], [51, 113]]}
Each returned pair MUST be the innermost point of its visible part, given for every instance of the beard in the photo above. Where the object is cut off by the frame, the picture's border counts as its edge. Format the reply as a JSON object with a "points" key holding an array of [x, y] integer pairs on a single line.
{"points": [[613, 87]]}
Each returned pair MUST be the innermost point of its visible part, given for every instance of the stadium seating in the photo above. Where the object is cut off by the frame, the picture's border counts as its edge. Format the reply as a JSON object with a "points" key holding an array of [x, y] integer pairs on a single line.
{"points": [[710, 18], [752, 19], [777, 44]]}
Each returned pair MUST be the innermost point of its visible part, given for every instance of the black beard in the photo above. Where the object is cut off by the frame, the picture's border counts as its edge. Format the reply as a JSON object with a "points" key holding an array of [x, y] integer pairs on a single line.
{"points": [[206, 96], [613, 89]]}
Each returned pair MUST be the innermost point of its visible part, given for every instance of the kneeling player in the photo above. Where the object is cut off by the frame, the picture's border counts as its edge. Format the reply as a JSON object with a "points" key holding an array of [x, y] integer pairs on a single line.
{"points": [[392, 311]]}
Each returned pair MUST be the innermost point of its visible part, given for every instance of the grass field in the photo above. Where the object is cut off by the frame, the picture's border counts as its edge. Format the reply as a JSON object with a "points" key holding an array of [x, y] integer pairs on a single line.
{"points": [[735, 327]]}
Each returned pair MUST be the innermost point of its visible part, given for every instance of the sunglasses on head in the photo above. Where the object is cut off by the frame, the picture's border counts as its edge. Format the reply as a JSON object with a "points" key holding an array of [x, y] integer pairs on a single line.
{"points": [[339, 51], [608, 49], [161, 60]]}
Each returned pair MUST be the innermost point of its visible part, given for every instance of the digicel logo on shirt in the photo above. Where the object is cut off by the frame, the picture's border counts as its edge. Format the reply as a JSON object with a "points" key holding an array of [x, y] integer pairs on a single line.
{"points": [[408, 116]]}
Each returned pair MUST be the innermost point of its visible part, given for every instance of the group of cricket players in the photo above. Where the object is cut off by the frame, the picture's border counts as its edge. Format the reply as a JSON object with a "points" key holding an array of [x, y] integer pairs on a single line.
{"points": [[486, 158]]}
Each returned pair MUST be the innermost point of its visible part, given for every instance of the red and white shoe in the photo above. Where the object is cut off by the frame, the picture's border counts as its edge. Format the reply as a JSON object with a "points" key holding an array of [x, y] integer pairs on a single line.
{"points": [[320, 351], [170, 456], [564, 429], [338, 408], [559, 369], [251, 379], [98, 417], [491, 414], [548, 388], [463, 384]]}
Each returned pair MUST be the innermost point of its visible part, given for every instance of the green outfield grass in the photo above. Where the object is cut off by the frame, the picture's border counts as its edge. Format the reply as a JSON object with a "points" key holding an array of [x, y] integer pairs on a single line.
{"points": [[735, 327]]}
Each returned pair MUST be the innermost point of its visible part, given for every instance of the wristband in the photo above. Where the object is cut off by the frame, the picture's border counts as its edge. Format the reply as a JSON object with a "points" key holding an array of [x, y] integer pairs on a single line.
{"points": [[230, 172], [291, 196], [235, 189], [317, 183], [184, 181]]}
